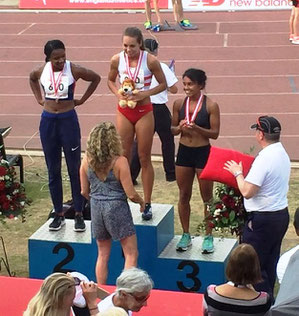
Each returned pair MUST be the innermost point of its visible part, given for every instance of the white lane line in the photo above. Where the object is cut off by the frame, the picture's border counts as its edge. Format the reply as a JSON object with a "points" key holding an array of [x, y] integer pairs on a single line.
{"points": [[217, 27], [26, 28], [225, 40]]}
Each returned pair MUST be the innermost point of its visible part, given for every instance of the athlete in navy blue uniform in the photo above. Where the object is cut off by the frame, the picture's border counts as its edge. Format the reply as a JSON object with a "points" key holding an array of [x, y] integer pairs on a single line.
{"points": [[59, 126]]}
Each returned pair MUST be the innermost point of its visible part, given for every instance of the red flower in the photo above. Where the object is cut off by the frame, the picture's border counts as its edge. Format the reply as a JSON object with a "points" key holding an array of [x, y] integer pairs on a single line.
{"points": [[11, 216], [228, 201], [211, 225], [219, 205], [3, 198], [2, 171], [225, 214], [6, 205], [2, 185]]}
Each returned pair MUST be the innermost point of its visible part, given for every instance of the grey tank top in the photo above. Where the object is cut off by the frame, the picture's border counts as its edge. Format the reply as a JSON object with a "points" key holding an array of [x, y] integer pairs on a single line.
{"points": [[110, 189]]}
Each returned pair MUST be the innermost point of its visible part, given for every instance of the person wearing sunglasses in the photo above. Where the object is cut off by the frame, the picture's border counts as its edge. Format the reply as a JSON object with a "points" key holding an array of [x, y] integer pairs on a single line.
{"points": [[265, 191], [133, 288]]}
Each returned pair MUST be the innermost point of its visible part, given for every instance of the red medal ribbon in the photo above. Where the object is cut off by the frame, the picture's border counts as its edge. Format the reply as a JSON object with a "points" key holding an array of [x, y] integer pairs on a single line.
{"points": [[55, 83], [196, 110], [136, 72]]}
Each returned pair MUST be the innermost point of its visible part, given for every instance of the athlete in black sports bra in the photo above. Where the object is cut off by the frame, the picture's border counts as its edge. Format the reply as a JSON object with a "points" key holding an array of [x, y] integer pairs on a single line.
{"points": [[196, 119]]}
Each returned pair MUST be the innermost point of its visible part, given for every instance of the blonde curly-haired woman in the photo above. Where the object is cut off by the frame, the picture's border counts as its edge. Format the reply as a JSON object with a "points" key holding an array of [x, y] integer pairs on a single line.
{"points": [[106, 180]]}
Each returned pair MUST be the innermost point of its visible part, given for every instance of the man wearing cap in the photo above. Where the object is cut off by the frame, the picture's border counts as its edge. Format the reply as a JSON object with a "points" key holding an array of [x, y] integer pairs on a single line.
{"points": [[265, 191]]}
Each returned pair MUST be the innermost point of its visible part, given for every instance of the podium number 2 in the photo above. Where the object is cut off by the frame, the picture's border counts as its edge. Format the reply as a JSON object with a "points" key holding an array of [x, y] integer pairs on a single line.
{"points": [[66, 260], [192, 275]]}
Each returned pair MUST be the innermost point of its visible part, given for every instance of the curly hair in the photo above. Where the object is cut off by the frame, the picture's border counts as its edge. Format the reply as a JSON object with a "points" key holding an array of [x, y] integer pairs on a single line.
{"points": [[103, 145], [50, 298]]}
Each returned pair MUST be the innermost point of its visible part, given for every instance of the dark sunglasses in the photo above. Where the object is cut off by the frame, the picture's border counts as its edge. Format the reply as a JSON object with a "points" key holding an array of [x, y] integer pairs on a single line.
{"points": [[141, 299]]}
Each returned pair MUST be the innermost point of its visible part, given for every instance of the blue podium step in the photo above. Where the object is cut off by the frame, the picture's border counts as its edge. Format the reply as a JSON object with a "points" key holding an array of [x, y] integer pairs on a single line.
{"points": [[190, 271]]}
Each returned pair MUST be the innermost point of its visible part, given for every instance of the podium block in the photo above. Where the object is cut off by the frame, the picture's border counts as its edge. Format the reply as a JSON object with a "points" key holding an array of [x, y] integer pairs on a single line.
{"points": [[189, 271]]}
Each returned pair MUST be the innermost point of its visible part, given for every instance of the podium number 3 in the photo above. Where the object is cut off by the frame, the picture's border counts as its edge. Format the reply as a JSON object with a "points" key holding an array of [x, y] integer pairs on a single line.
{"points": [[192, 275], [69, 257]]}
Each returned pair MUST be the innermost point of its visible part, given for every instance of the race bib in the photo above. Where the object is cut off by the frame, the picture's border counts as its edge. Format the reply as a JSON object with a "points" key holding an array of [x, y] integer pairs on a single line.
{"points": [[62, 91]]}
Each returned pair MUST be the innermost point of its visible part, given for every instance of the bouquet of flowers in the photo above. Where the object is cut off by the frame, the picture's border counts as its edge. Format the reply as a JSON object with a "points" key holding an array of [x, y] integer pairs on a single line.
{"points": [[13, 199], [227, 213]]}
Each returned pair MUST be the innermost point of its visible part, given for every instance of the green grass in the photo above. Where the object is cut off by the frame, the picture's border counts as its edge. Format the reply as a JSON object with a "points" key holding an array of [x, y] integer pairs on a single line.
{"points": [[16, 234]]}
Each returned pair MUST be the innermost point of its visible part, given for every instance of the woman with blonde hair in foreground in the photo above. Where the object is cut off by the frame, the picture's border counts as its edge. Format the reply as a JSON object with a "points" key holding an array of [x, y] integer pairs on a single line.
{"points": [[55, 297], [106, 180]]}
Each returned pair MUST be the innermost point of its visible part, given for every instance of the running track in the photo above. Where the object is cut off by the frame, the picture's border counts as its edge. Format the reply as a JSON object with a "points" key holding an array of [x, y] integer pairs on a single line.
{"points": [[252, 69]]}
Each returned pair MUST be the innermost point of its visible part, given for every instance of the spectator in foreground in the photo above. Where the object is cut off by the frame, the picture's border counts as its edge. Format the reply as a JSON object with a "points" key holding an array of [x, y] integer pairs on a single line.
{"points": [[133, 288], [55, 296], [238, 296]]}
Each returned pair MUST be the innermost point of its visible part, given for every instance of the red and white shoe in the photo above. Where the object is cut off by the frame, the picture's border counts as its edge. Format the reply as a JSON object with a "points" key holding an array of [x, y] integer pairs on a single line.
{"points": [[295, 40], [291, 37]]}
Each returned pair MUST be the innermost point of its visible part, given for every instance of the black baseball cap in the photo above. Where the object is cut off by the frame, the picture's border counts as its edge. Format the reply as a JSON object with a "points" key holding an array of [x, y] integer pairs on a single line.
{"points": [[267, 124], [151, 44]]}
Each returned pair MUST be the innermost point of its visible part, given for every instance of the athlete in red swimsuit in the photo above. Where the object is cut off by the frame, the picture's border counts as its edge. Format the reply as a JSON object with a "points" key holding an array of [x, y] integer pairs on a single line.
{"points": [[133, 64]]}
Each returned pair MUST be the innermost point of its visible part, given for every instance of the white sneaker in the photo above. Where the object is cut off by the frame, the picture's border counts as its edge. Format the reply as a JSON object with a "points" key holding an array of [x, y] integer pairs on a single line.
{"points": [[295, 40]]}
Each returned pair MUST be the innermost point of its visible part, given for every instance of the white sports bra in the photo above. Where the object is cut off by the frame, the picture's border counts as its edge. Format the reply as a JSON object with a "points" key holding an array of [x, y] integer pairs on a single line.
{"points": [[65, 82]]}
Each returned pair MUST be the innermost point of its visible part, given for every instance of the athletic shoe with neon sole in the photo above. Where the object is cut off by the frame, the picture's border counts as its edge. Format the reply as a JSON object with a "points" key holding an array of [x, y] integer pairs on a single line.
{"points": [[148, 25], [184, 243], [185, 23], [208, 244]]}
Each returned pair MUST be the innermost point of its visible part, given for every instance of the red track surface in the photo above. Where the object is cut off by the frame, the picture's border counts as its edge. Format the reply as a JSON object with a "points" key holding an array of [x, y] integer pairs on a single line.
{"points": [[252, 68]]}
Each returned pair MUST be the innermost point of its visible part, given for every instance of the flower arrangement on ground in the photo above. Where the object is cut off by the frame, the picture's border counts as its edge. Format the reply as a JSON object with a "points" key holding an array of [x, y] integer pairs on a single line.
{"points": [[13, 199], [227, 213]]}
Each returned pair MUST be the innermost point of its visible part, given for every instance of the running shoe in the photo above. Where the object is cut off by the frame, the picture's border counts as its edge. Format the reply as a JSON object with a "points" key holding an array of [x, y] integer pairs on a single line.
{"points": [[185, 23], [79, 224], [295, 40], [208, 244], [184, 242], [57, 223], [156, 28], [291, 37], [147, 213], [148, 25]]}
